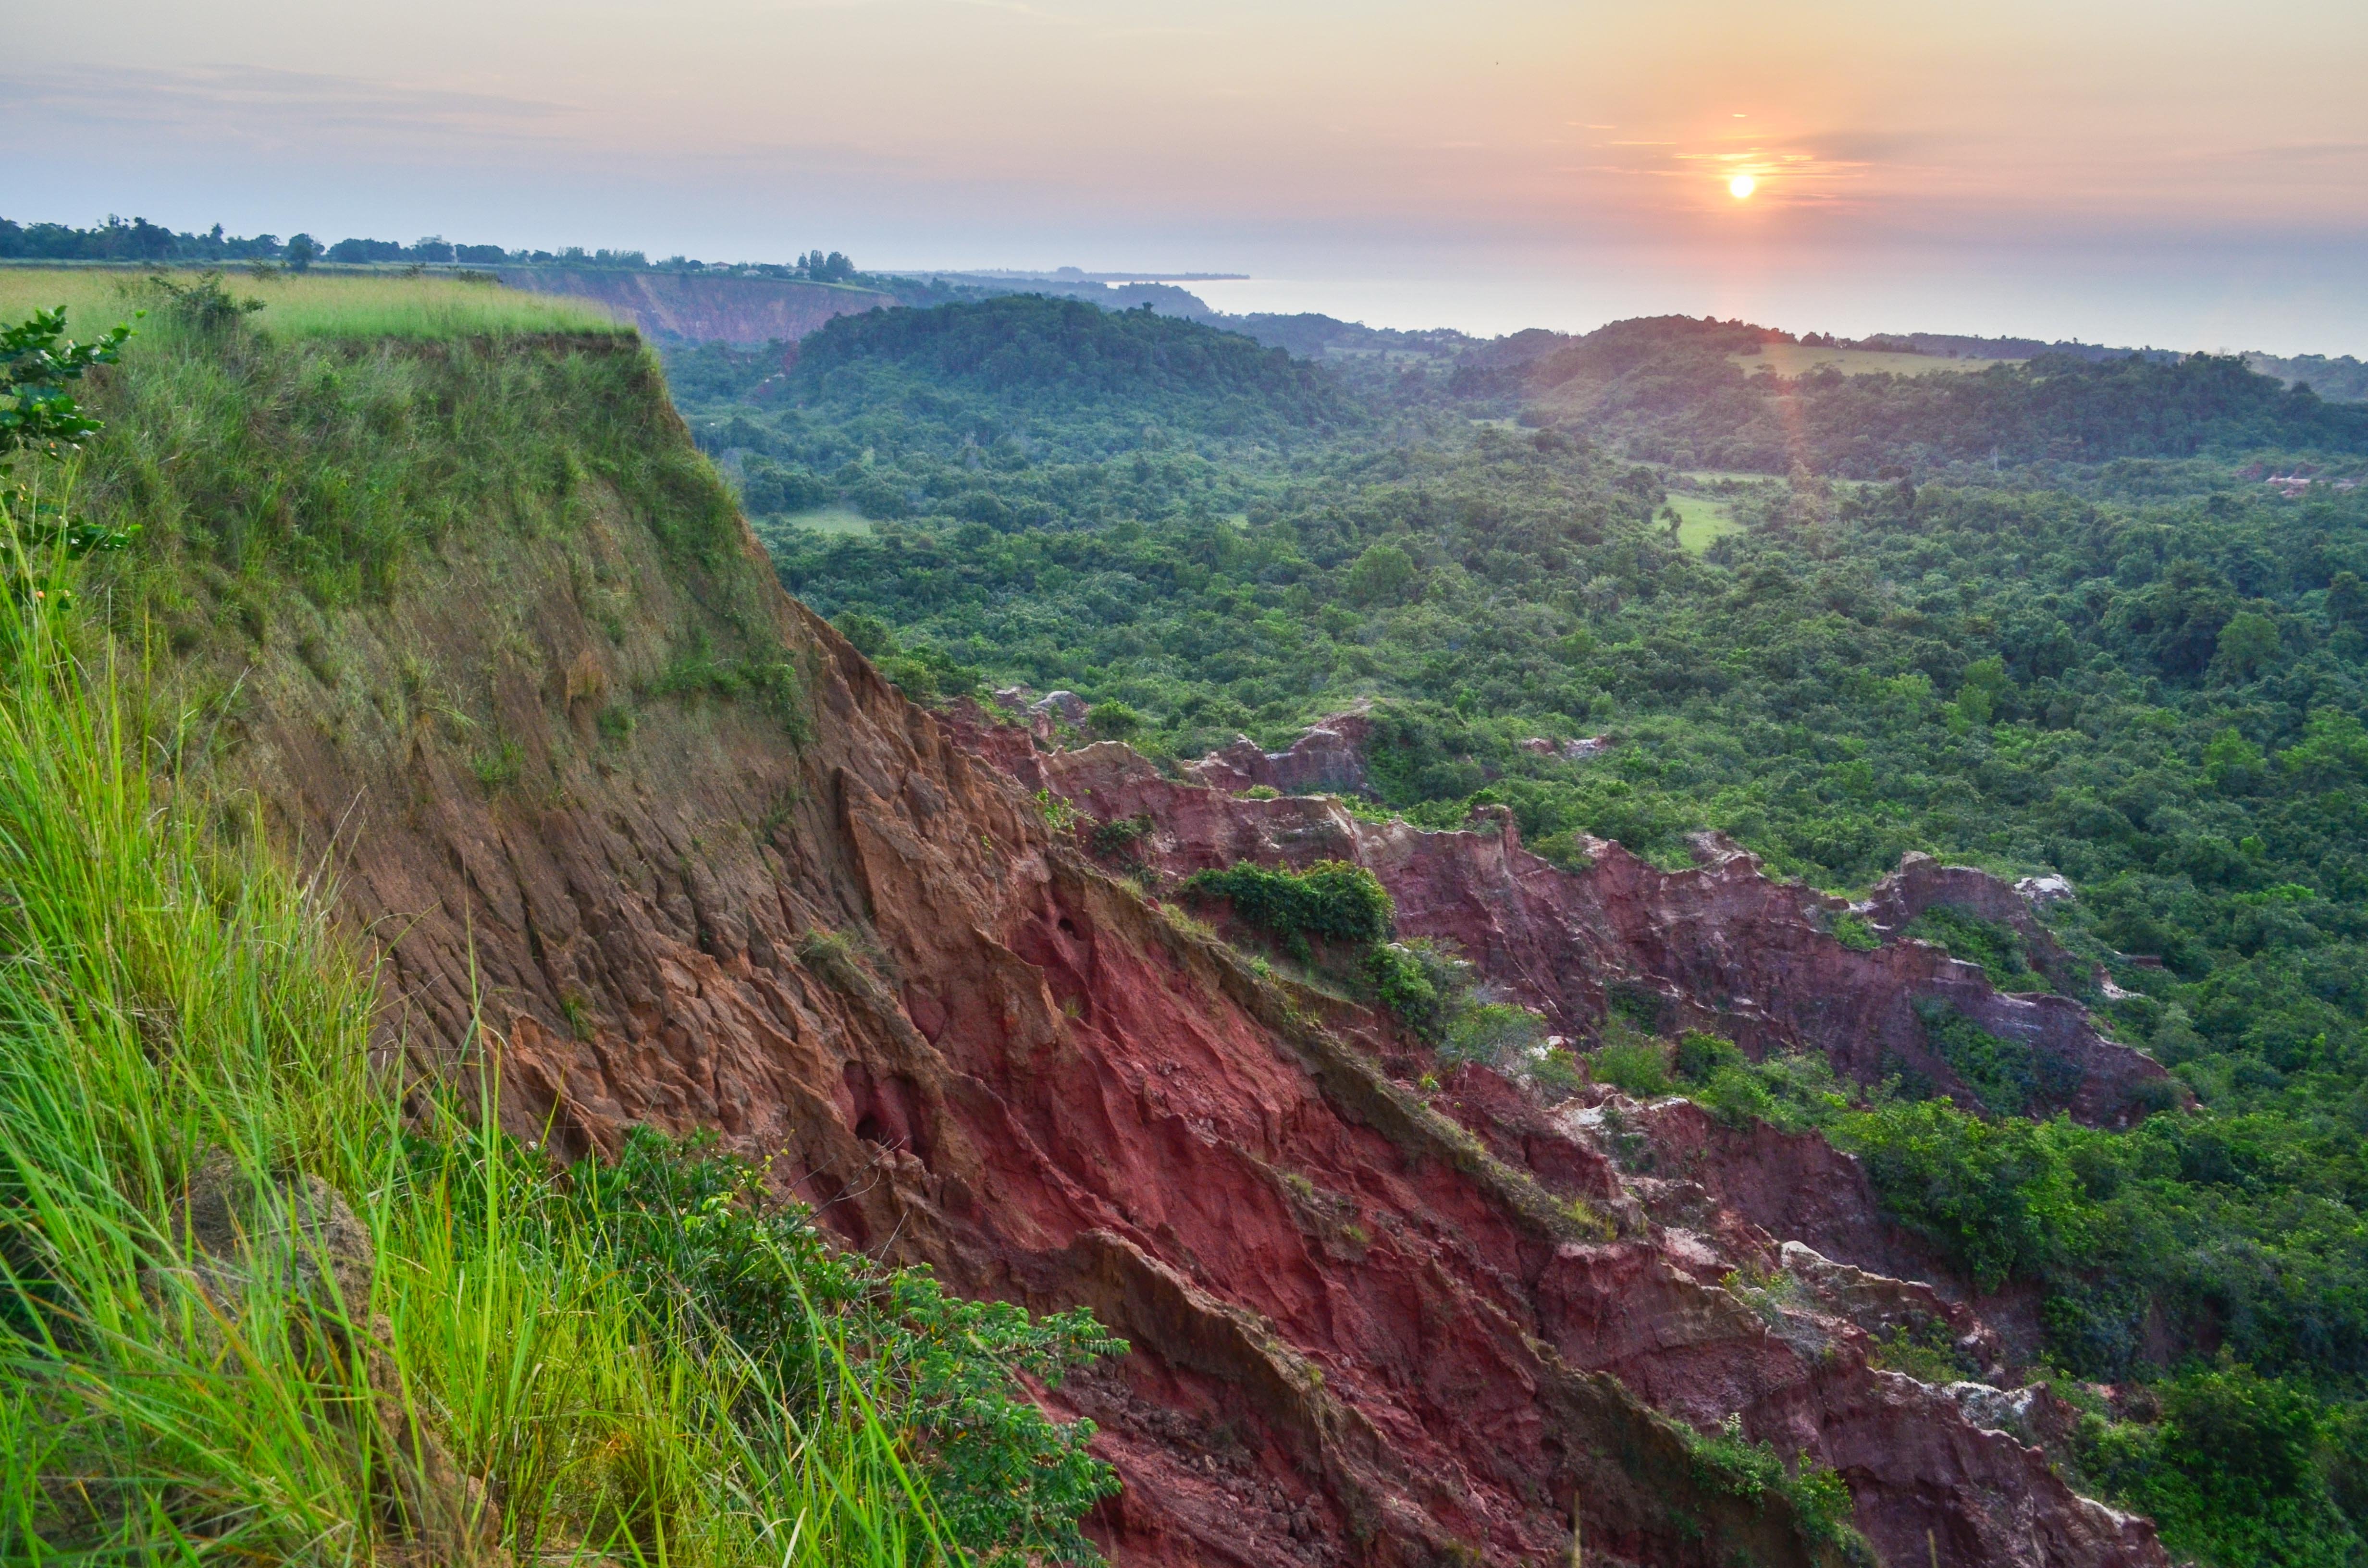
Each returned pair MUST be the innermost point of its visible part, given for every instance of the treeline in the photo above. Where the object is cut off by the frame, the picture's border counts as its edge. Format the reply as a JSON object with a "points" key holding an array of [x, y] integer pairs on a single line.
{"points": [[2341, 377], [138, 240]]}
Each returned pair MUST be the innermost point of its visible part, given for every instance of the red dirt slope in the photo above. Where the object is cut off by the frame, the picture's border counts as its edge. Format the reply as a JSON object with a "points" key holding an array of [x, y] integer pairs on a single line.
{"points": [[1364, 1333]]}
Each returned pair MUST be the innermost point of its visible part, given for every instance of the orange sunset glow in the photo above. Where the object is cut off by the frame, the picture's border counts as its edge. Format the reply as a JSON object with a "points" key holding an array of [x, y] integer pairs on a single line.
{"points": [[1303, 139]]}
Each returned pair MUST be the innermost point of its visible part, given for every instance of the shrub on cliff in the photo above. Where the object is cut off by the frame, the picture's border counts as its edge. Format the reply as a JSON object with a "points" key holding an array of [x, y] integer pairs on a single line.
{"points": [[1633, 1062], [1998, 1197], [1332, 900], [1420, 982], [2235, 1470], [2007, 1076]]}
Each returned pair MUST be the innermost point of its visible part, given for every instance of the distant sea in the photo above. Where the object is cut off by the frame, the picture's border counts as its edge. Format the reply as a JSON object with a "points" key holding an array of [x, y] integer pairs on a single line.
{"points": [[2297, 300]]}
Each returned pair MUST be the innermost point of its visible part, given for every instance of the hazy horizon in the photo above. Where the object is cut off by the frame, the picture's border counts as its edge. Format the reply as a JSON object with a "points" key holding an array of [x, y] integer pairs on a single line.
{"points": [[2184, 176]]}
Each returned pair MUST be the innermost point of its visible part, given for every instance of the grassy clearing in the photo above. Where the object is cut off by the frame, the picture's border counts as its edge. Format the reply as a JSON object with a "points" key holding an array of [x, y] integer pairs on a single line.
{"points": [[252, 462], [332, 307], [829, 521], [1707, 520], [1798, 358]]}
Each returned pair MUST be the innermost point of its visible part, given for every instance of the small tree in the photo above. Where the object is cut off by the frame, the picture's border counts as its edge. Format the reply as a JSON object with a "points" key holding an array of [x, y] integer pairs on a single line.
{"points": [[39, 414], [1382, 575]]}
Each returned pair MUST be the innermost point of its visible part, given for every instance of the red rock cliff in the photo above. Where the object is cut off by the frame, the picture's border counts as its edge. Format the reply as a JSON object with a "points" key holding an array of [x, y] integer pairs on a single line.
{"points": [[1366, 1330]]}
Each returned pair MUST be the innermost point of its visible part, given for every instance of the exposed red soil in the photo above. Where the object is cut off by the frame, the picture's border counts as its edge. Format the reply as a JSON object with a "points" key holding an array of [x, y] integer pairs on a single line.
{"points": [[1721, 945], [1367, 1329]]}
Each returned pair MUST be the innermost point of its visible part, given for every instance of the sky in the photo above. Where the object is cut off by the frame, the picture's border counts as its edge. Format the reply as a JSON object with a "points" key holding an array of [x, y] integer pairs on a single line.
{"points": [[2165, 172]]}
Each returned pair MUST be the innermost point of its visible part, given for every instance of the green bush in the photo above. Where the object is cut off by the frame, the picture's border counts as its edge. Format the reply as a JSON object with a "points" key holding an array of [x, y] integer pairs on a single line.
{"points": [[1493, 1034], [1633, 1064], [1119, 835], [1700, 1055], [1420, 982], [1557, 1074], [1332, 900], [1852, 931], [1999, 949], [2237, 1471], [1999, 1197], [1114, 720], [1726, 1462], [2007, 1076]]}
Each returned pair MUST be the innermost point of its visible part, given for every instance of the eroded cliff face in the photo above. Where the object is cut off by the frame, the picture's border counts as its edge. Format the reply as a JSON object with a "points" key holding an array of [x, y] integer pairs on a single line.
{"points": [[1368, 1328], [1722, 945], [688, 307]]}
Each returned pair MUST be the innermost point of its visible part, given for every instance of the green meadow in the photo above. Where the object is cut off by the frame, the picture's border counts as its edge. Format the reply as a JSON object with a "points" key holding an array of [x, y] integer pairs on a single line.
{"points": [[364, 308]]}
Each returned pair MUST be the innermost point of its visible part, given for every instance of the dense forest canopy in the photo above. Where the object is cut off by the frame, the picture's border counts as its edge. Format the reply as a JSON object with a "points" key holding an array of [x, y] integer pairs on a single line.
{"points": [[2063, 631]]}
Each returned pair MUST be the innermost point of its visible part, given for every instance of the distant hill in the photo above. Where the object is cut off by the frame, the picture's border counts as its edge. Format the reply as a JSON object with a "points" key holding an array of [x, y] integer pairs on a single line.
{"points": [[1686, 392], [1959, 346], [1028, 359], [2339, 380]]}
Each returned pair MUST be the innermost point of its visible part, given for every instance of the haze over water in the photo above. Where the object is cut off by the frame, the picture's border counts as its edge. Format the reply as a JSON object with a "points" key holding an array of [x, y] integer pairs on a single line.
{"points": [[2283, 304]]}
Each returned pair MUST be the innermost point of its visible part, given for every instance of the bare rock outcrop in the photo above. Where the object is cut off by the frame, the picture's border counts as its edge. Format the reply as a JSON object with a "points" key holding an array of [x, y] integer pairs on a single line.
{"points": [[1721, 945], [1328, 759]]}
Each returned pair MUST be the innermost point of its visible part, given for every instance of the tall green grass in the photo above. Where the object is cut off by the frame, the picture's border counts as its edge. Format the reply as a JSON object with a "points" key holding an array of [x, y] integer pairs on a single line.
{"points": [[251, 457], [297, 308], [167, 1002]]}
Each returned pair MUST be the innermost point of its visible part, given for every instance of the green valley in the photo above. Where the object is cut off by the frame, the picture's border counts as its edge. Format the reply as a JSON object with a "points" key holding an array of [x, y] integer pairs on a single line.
{"points": [[2029, 615]]}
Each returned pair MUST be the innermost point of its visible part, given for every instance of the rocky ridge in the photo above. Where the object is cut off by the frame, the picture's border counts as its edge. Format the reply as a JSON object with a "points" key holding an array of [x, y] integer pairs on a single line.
{"points": [[1720, 945]]}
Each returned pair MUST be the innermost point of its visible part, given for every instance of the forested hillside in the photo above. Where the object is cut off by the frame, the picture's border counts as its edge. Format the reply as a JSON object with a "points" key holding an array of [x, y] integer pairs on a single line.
{"points": [[1701, 394], [2120, 663], [1027, 369]]}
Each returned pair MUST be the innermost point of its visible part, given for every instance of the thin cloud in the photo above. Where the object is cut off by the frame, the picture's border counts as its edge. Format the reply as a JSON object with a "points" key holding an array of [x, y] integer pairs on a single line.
{"points": [[288, 102], [2297, 152]]}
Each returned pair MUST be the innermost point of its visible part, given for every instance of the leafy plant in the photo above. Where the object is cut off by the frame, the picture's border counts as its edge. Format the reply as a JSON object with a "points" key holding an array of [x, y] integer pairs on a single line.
{"points": [[712, 1255], [1058, 814], [1332, 900], [1728, 1462], [1119, 836], [1851, 931], [1635, 1063], [37, 366], [2010, 1077], [1999, 949], [202, 305], [1494, 1034], [1421, 984]]}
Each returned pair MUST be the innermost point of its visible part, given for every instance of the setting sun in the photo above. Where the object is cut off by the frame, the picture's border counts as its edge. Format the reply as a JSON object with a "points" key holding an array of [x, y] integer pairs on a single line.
{"points": [[1741, 185]]}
